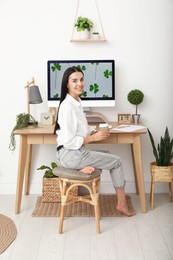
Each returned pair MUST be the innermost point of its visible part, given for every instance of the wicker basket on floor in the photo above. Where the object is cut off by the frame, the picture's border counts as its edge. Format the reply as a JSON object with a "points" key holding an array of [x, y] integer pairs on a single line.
{"points": [[51, 190]]}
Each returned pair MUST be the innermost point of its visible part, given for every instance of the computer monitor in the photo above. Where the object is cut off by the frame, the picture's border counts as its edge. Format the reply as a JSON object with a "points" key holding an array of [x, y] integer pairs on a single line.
{"points": [[99, 77]]}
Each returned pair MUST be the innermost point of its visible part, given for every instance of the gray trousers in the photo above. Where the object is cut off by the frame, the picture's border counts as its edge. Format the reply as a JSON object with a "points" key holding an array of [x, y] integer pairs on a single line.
{"points": [[78, 159]]}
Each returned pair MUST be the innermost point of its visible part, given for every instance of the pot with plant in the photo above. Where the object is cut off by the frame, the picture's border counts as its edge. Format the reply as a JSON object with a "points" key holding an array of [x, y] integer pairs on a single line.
{"points": [[51, 189], [162, 168], [83, 26], [22, 120], [95, 35], [135, 97]]}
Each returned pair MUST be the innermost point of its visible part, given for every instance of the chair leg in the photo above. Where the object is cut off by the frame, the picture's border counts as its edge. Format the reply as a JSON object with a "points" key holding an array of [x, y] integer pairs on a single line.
{"points": [[61, 219], [97, 217]]}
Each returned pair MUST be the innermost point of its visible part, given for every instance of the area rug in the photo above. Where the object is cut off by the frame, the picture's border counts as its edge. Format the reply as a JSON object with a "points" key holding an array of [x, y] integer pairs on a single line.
{"points": [[8, 232], [80, 209]]}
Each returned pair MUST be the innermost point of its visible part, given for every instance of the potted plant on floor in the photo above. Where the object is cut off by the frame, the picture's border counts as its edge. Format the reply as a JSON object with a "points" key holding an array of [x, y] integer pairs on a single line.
{"points": [[83, 26], [162, 168], [135, 97], [51, 189]]}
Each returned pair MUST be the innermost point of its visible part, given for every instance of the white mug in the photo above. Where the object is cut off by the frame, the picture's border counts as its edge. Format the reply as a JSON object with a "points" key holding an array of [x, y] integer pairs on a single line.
{"points": [[103, 127]]}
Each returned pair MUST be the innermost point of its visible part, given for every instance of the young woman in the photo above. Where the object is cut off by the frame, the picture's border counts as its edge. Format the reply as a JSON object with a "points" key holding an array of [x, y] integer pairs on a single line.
{"points": [[73, 133]]}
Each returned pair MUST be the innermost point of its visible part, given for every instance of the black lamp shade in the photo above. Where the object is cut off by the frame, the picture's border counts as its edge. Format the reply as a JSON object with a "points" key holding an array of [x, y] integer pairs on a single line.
{"points": [[34, 95]]}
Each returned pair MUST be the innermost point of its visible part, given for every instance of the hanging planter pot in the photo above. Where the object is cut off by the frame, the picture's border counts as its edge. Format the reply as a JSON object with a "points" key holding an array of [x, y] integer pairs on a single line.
{"points": [[84, 34], [83, 26]]}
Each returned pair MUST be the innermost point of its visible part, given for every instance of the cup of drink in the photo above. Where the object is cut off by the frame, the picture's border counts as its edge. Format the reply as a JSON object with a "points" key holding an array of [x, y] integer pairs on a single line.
{"points": [[103, 127]]}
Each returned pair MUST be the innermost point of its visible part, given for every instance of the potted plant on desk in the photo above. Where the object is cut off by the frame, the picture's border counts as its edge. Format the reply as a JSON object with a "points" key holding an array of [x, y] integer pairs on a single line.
{"points": [[22, 120], [162, 168], [135, 97]]}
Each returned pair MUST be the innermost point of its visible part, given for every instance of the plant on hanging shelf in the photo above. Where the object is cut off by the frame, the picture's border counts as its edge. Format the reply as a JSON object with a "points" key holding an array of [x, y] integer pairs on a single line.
{"points": [[83, 26], [83, 23], [95, 35]]}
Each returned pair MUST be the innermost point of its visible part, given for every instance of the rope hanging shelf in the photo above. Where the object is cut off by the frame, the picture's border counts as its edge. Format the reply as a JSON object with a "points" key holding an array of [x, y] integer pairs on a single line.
{"points": [[101, 39]]}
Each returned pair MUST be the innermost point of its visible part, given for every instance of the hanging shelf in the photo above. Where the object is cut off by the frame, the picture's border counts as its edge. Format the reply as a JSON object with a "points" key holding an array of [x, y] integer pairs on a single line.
{"points": [[102, 39], [89, 40]]}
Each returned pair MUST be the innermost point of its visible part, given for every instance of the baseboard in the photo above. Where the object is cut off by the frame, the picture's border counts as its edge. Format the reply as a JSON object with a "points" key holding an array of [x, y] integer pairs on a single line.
{"points": [[106, 187]]}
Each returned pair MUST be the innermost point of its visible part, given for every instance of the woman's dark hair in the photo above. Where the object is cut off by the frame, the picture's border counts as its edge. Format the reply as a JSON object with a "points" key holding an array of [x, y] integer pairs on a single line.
{"points": [[64, 89]]}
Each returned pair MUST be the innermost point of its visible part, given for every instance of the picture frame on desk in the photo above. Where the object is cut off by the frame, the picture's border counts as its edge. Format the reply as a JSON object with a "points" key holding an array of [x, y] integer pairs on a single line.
{"points": [[124, 118]]}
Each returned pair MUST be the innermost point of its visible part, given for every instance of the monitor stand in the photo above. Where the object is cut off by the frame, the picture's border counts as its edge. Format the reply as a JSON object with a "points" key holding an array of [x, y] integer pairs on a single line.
{"points": [[96, 115]]}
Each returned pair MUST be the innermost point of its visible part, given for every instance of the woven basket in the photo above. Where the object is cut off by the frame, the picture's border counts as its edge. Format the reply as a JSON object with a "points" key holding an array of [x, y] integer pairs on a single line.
{"points": [[161, 173], [51, 190]]}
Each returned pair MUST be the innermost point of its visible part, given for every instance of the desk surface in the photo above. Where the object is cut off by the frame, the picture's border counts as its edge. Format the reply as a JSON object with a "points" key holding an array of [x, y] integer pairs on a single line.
{"points": [[49, 129]]}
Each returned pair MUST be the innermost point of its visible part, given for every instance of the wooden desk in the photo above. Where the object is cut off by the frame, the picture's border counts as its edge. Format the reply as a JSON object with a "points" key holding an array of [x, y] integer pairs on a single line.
{"points": [[44, 135]]}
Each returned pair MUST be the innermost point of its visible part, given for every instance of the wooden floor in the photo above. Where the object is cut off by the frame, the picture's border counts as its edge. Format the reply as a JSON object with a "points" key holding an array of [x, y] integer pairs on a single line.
{"points": [[144, 236]]}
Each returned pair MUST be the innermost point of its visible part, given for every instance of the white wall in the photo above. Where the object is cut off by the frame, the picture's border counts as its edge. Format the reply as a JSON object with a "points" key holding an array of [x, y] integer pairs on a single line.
{"points": [[140, 39]]}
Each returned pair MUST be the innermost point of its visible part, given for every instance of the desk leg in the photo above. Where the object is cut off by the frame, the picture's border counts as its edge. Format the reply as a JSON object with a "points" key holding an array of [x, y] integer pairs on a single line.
{"points": [[21, 169], [28, 168], [134, 170], [137, 154]]}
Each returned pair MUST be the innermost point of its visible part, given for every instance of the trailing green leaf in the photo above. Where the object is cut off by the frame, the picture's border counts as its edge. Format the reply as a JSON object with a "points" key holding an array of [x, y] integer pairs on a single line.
{"points": [[22, 120]]}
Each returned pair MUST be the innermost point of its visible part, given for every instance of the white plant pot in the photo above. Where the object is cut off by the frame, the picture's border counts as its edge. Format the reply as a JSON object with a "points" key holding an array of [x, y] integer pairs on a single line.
{"points": [[84, 34], [96, 36]]}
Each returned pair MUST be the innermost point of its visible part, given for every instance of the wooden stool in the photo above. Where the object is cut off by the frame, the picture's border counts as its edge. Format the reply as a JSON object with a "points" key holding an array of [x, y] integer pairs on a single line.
{"points": [[160, 174], [70, 178]]}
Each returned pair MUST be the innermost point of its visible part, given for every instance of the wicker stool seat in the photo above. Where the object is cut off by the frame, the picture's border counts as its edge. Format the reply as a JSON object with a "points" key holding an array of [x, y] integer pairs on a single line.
{"points": [[70, 178]]}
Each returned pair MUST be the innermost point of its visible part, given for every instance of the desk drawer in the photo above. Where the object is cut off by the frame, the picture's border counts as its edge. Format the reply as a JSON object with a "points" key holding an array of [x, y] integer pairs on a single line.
{"points": [[125, 138], [35, 139], [49, 139]]}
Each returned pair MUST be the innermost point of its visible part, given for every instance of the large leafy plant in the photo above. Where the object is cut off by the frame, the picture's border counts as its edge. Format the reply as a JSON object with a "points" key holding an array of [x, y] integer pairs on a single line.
{"points": [[163, 152], [83, 24], [49, 170]]}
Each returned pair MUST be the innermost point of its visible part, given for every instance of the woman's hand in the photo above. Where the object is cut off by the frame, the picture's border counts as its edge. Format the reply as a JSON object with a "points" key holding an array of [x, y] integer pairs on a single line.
{"points": [[97, 136], [100, 135]]}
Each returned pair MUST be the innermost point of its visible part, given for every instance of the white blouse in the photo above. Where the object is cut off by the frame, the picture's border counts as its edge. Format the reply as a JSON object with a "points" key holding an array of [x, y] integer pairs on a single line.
{"points": [[73, 124]]}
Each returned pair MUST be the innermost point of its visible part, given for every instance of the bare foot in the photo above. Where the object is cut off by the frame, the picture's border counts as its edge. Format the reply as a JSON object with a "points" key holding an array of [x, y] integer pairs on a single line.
{"points": [[88, 170], [125, 211]]}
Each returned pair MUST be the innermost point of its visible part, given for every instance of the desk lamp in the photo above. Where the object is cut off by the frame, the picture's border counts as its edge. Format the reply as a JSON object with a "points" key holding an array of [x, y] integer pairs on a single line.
{"points": [[33, 94]]}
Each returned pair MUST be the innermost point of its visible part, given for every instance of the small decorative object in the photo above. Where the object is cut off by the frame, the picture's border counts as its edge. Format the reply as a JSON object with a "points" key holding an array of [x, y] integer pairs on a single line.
{"points": [[22, 120], [135, 97], [95, 35], [162, 168], [46, 119], [84, 26], [124, 118], [51, 190]]}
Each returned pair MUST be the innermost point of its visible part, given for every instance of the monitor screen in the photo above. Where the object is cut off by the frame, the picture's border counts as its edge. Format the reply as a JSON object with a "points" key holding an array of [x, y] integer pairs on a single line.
{"points": [[99, 77]]}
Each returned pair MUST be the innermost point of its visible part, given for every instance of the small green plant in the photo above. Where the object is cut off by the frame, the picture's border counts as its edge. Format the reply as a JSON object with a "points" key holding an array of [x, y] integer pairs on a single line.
{"points": [[48, 172], [164, 151], [22, 120], [135, 97], [83, 24]]}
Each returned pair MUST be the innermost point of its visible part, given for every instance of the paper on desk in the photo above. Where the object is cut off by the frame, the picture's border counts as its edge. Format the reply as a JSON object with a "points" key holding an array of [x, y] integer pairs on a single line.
{"points": [[128, 128]]}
